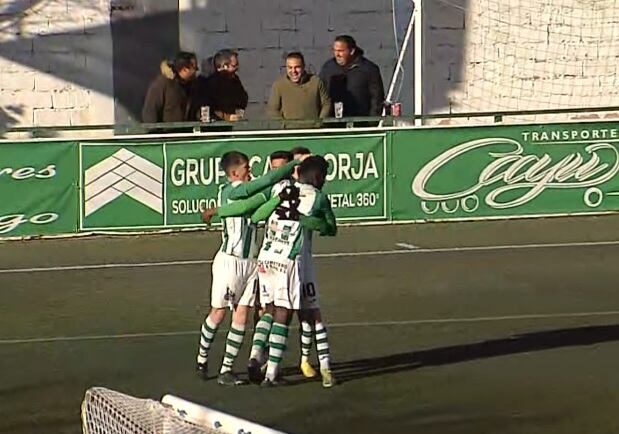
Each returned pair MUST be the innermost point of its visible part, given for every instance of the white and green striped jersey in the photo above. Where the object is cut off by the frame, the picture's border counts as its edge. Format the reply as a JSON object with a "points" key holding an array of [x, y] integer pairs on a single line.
{"points": [[284, 237], [239, 235]]}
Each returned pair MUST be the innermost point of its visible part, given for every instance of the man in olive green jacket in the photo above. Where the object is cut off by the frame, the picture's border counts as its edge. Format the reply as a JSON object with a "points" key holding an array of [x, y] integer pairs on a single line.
{"points": [[298, 94]]}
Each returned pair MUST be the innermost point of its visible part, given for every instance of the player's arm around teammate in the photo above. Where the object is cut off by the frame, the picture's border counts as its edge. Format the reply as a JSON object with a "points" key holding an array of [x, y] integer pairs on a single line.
{"points": [[250, 189], [280, 259], [234, 268], [317, 220]]}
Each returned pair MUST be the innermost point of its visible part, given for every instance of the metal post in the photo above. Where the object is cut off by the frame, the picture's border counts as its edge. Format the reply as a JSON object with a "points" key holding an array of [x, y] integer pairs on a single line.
{"points": [[418, 59], [398, 67]]}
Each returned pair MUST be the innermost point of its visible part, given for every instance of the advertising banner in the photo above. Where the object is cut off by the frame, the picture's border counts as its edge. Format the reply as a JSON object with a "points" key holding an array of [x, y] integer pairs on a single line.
{"points": [[38, 189], [167, 185], [505, 171]]}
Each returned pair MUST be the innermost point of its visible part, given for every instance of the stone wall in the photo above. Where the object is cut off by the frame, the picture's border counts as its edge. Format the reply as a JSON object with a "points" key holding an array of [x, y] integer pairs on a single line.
{"points": [[69, 62], [55, 63], [508, 55]]}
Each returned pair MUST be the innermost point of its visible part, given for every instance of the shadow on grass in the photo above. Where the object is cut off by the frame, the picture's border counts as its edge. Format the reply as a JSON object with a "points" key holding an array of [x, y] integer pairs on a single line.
{"points": [[516, 344]]}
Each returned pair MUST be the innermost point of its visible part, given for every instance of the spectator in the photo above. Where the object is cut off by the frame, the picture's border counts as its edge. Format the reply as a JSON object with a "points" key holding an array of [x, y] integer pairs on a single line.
{"points": [[298, 94], [225, 92], [208, 67], [353, 80], [199, 90], [167, 98]]}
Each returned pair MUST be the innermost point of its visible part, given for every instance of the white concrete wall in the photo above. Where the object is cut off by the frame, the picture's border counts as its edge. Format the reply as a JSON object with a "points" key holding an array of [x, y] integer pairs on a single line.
{"points": [[264, 30], [44, 40]]}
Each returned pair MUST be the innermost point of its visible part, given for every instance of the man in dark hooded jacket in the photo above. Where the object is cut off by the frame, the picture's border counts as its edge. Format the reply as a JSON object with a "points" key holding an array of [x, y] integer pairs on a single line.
{"points": [[353, 80], [168, 96]]}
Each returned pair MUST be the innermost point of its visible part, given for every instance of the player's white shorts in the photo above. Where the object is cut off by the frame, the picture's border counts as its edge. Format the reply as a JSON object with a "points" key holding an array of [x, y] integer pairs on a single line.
{"points": [[280, 283], [309, 287], [235, 281]]}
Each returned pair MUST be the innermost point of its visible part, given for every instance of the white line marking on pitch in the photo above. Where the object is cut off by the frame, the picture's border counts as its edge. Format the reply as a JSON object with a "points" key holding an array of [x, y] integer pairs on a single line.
{"points": [[105, 266], [318, 255], [407, 246], [540, 316]]}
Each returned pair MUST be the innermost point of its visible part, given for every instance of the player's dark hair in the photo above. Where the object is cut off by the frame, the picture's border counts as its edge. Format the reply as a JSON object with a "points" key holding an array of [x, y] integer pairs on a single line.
{"points": [[301, 150], [313, 170], [232, 159], [281, 155]]}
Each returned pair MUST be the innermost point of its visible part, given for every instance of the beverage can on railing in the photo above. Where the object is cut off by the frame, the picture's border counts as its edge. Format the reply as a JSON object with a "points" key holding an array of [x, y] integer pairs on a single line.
{"points": [[205, 113], [339, 109]]}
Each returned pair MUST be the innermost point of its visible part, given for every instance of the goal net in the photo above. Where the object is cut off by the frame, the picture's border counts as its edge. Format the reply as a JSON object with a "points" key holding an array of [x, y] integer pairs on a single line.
{"points": [[105, 411], [539, 55]]}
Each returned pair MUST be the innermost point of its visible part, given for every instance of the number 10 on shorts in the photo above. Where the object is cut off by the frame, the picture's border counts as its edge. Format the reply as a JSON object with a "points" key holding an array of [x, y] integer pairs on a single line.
{"points": [[309, 290]]}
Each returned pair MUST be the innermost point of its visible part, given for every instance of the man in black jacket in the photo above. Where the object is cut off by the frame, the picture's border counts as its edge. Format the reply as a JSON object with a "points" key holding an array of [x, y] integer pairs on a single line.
{"points": [[353, 80], [223, 90]]}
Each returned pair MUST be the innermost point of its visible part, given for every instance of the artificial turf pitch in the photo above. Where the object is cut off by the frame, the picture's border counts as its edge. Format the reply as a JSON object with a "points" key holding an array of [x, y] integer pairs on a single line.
{"points": [[436, 339]]}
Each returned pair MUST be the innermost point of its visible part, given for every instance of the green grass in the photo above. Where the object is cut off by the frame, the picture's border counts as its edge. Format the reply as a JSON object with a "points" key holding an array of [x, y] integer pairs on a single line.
{"points": [[544, 375]]}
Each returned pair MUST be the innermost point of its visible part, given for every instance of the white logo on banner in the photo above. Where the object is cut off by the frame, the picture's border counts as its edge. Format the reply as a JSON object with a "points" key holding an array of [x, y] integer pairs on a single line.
{"points": [[123, 173], [516, 178]]}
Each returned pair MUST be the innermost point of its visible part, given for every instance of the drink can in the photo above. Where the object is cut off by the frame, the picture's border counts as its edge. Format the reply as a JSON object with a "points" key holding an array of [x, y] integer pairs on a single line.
{"points": [[339, 109], [205, 113], [396, 109]]}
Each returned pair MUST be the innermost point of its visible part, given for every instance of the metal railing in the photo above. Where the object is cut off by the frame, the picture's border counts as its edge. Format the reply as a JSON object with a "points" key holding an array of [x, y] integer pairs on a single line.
{"points": [[270, 125], [199, 127]]}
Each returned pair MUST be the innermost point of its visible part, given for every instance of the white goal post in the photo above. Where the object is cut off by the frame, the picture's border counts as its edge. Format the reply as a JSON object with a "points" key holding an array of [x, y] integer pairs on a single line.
{"points": [[106, 411]]}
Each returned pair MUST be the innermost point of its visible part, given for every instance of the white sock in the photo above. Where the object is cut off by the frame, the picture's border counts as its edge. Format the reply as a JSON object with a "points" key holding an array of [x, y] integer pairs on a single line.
{"points": [[207, 335], [306, 341], [233, 345], [261, 336], [277, 347], [322, 345]]}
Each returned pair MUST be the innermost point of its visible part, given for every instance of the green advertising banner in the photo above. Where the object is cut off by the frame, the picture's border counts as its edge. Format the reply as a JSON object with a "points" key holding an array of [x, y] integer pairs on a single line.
{"points": [[423, 174], [166, 185], [504, 171], [38, 189]]}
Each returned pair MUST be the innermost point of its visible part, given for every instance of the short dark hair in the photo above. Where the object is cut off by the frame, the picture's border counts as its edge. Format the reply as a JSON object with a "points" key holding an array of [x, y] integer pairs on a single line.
{"points": [[296, 55], [281, 155], [183, 59], [232, 159], [313, 170], [348, 40], [301, 150], [223, 57]]}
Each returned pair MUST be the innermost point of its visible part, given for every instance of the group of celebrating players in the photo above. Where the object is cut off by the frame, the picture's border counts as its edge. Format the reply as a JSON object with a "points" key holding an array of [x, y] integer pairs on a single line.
{"points": [[278, 277]]}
